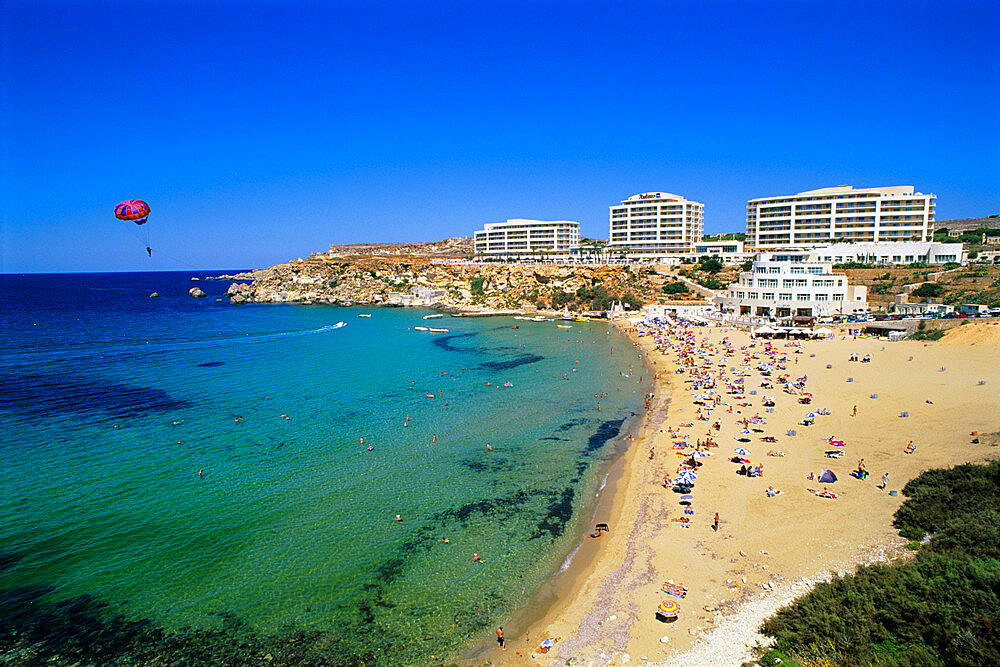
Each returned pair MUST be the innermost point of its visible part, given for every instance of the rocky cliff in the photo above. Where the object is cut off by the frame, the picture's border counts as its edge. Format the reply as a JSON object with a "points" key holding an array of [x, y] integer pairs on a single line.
{"points": [[368, 279]]}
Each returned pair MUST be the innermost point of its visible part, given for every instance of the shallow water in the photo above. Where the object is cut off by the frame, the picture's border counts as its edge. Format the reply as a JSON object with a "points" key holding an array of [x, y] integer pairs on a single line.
{"points": [[286, 544]]}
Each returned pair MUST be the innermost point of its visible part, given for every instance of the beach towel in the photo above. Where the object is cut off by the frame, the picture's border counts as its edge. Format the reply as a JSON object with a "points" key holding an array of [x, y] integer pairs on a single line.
{"points": [[674, 589]]}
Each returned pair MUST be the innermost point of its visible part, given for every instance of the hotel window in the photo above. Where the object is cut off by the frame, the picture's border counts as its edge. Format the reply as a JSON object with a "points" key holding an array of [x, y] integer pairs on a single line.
{"points": [[798, 269], [785, 297], [822, 297], [838, 297], [802, 297], [815, 270]]}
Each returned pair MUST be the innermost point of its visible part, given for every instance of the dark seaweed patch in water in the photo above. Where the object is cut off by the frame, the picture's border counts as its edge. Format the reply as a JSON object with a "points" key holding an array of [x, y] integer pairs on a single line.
{"points": [[605, 432], [36, 631], [559, 512], [444, 342], [490, 464], [8, 560], [513, 363], [55, 394], [568, 425], [211, 364]]}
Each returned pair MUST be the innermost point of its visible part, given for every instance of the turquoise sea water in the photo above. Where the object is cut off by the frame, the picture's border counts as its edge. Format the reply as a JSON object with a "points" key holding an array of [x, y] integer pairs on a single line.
{"points": [[112, 403]]}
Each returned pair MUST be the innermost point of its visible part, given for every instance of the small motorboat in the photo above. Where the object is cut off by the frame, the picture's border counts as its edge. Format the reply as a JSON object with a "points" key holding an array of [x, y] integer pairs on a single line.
{"points": [[433, 317], [420, 328], [433, 330], [564, 326], [339, 324], [364, 315]]}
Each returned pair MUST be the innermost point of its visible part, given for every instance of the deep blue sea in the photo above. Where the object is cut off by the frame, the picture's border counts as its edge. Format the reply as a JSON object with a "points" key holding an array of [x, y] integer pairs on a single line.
{"points": [[113, 548]]}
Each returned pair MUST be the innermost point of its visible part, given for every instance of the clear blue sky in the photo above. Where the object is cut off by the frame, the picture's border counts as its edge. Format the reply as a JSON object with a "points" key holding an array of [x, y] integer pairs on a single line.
{"points": [[260, 131]]}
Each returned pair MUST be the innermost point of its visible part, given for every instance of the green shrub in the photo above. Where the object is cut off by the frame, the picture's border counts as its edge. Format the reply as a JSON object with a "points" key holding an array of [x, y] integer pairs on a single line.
{"points": [[476, 285], [710, 264], [929, 290], [676, 287], [933, 334]]}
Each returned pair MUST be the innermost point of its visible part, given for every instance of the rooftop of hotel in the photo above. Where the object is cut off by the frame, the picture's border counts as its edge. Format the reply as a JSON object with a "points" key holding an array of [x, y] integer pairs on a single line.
{"points": [[842, 190]]}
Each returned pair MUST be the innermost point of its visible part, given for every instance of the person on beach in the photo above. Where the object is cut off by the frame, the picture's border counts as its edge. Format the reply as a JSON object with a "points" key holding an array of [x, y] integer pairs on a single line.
{"points": [[500, 639], [715, 522], [885, 480], [854, 412]]}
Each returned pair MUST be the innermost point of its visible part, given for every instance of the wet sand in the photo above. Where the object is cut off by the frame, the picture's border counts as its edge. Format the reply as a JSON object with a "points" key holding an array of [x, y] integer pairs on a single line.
{"points": [[767, 550]]}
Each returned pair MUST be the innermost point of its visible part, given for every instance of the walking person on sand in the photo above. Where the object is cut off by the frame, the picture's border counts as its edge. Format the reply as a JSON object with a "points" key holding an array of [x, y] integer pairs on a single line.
{"points": [[715, 523], [500, 639]]}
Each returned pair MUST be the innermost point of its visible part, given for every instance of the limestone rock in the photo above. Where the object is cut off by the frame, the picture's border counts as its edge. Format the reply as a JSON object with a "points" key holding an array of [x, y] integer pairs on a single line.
{"points": [[154, 295], [196, 292]]}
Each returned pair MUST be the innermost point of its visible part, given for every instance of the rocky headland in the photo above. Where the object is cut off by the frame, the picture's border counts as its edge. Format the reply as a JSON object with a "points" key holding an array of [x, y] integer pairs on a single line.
{"points": [[447, 284]]}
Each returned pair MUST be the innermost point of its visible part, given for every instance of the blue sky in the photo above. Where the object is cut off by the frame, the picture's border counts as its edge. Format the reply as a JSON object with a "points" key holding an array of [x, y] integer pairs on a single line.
{"points": [[261, 131]]}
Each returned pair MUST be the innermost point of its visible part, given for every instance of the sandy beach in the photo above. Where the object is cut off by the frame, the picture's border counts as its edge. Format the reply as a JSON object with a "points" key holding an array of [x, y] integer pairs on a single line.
{"points": [[767, 550]]}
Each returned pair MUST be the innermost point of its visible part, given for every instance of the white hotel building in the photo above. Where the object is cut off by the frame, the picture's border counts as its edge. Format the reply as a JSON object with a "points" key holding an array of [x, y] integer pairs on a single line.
{"points": [[652, 225], [527, 239], [840, 214], [788, 285]]}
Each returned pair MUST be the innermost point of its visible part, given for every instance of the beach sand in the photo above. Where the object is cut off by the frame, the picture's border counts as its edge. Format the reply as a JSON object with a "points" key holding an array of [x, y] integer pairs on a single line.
{"points": [[767, 550]]}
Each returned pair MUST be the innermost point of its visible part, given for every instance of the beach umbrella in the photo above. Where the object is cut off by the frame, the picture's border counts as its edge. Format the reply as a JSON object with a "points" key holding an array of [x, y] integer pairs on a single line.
{"points": [[698, 455], [686, 478], [668, 608], [742, 452], [687, 496]]}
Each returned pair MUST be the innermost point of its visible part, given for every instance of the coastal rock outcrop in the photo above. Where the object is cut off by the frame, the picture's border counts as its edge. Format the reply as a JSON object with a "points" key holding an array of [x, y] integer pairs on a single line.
{"points": [[448, 284], [196, 292]]}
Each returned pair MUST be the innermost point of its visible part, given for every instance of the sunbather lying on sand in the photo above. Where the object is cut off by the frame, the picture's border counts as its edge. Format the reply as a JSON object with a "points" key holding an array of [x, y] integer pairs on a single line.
{"points": [[774, 453]]}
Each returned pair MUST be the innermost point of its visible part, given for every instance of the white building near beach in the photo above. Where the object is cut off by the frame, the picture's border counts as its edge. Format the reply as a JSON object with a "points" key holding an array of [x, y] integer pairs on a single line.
{"points": [[840, 214], [789, 285], [654, 225], [728, 251], [520, 238], [892, 252]]}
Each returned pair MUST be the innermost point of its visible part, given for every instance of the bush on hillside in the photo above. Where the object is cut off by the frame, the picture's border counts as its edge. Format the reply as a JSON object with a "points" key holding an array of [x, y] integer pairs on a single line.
{"points": [[929, 290]]}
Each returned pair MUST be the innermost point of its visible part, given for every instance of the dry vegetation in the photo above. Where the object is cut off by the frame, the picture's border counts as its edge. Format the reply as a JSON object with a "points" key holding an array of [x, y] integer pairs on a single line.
{"points": [[971, 284]]}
